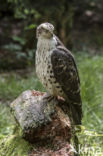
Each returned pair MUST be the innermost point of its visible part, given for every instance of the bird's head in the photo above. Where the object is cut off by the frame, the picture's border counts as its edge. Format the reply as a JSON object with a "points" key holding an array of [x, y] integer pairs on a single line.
{"points": [[45, 30]]}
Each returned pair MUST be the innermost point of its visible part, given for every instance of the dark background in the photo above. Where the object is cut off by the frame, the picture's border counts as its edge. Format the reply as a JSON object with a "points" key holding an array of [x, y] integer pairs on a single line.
{"points": [[79, 24]]}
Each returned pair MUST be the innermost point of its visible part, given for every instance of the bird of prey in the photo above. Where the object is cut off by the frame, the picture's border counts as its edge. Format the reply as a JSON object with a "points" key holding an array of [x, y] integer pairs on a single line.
{"points": [[57, 70]]}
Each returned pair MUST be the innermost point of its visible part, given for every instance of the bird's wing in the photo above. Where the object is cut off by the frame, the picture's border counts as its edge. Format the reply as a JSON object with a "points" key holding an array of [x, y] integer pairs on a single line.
{"points": [[66, 73]]}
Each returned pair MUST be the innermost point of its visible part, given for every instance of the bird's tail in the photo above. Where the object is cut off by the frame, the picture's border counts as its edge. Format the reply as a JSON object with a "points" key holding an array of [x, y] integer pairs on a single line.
{"points": [[76, 110]]}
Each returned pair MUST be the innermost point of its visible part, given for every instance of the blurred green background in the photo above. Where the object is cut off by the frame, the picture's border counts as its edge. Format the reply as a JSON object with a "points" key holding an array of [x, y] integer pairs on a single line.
{"points": [[79, 24]]}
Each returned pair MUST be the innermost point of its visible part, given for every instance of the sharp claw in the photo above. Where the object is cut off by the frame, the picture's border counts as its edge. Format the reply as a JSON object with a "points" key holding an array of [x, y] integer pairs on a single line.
{"points": [[48, 97]]}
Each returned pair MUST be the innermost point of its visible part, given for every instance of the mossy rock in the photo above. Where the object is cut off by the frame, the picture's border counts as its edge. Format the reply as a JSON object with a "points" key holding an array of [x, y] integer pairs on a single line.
{"points": [[14, 145]]}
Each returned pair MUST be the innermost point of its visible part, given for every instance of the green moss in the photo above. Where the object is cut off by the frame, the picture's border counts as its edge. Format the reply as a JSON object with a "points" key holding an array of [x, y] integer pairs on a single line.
{"points": [[14, 145], [11, 141], [91, 75]]}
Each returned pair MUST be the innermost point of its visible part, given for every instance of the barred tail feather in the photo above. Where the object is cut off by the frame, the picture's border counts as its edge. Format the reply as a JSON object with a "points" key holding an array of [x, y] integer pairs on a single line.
{"points": [[76, 113]]}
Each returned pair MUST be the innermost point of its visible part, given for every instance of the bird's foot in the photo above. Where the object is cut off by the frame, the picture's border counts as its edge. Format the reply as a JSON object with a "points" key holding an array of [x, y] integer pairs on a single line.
{"points": [[48, 97], [60, 98]]}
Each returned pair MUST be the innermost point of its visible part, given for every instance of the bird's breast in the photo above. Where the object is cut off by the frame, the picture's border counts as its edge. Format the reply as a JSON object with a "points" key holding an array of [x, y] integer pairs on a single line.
{"points": [[45, 72], [43, 66]]}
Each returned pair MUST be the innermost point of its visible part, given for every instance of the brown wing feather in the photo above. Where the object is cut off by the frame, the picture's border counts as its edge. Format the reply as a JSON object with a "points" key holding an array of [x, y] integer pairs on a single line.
{"points": [[66, 73]]}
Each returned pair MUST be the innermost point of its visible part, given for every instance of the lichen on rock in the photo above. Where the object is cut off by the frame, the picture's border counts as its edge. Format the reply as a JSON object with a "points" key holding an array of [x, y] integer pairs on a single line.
{"points": [[39, 118], [40, 122]]}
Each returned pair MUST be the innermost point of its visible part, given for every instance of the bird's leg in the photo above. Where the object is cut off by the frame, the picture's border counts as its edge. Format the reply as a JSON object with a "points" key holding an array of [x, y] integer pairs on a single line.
{"points": [[48, 97]]}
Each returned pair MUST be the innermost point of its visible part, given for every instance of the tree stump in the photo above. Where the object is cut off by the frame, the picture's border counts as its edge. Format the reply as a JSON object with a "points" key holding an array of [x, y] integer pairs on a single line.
{"points": [[43, 123]]}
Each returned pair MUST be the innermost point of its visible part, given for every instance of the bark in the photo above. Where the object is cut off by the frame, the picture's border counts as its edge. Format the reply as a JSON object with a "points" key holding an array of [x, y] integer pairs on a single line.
{"points": [[44, 123]]}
